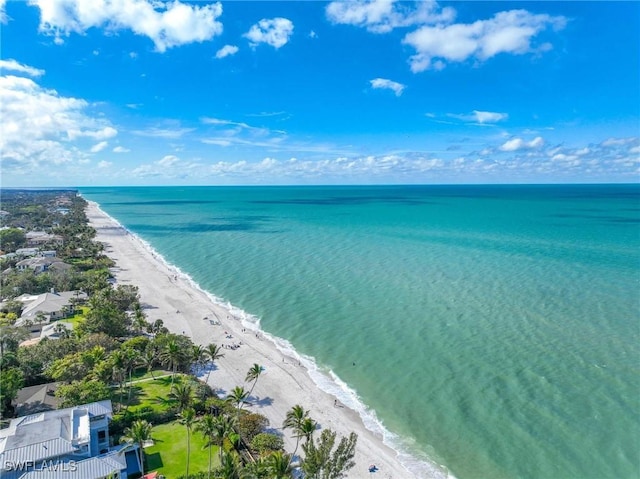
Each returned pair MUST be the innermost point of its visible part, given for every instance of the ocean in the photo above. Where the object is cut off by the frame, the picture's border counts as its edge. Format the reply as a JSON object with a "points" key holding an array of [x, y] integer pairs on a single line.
{"points": [[493, 331]]}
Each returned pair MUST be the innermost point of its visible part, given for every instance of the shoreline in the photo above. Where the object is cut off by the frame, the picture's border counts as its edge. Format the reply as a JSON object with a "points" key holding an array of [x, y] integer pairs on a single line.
{"points": [[169, 294]]}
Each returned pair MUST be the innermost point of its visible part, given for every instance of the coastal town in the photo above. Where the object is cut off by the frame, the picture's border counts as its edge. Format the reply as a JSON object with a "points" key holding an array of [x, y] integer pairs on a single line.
{"points": [[112, 369]]}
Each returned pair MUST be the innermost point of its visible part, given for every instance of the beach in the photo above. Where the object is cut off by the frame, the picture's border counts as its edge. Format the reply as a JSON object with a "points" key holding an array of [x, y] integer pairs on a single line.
{"points": [[185, 309]]}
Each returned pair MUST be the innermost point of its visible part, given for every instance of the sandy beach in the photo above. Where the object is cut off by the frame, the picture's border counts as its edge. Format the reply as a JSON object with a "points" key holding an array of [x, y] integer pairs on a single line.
{"points": [[285, 382]]}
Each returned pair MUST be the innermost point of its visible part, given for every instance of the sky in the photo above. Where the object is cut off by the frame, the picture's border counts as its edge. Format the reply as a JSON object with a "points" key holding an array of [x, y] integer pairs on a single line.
{"points": [[142, 92]]}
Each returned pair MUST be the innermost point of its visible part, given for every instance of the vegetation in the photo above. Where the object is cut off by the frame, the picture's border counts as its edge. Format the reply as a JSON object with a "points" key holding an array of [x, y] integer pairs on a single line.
{"points": [[113, 352]]}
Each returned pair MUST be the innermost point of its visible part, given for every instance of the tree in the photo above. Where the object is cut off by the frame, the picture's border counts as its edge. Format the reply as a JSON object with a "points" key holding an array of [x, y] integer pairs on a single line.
{"points": [[187, 418], [253, 374], [11, 337], [148, 359], [251, 424], [171, 355], [213, 352], [267, 442], [279, 465], [224, 427], [11, 381], [82, 392], [306, 429], [138, 433], [104, 317], [293, 420], [320, 463], [198, 356], [230, 467], [238, 396], [207, 427], [11, 239], [182, 395]]}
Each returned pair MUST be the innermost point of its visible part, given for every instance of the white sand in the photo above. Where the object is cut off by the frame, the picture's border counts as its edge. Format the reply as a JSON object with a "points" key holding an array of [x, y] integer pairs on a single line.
{"points": [[284, 382]]}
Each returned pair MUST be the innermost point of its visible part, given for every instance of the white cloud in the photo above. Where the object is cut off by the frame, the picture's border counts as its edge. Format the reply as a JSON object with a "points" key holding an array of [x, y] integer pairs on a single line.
{"points": [[481, 117], [274, 32], [381, 16], [41, 127], [104, 164], [168, 160], [14, 66], [516, 144], [507, 32], [396, 87], [226, 51], [3, 15], [489, 116], [121, 149], [169, 133], [313, 34], [99, 147], [166, 24]]}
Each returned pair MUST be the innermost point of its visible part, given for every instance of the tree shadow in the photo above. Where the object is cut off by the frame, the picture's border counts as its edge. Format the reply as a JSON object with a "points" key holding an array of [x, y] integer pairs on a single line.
{"points": [[154, 461], [262, 402]]}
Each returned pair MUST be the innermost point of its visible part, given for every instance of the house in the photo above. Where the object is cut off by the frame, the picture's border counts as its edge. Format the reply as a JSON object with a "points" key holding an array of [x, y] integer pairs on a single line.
{"points": [[35, 399], [43, 308], [38, 265], [64, 443], [39, 238], [27, 252]]}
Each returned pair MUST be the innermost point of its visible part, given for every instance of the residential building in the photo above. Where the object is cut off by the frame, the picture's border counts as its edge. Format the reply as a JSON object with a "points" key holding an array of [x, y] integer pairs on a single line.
{"points": [[64, 443]]}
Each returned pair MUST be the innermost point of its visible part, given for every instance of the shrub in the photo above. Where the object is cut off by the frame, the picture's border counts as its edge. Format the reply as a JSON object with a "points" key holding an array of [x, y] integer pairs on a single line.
{"points": [[266, 442]]}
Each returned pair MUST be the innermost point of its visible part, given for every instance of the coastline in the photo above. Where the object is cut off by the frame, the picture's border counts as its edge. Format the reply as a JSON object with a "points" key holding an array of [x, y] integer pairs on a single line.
{"points": [[289, 379]]}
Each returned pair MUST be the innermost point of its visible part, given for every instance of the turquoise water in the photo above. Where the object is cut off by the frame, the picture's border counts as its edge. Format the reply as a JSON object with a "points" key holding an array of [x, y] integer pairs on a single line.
{"points": [[494, 329]]}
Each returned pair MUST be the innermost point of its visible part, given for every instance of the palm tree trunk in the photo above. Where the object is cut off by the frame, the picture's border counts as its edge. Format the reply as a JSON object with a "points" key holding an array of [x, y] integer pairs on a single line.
{"points": [[209, 475], [188, 451]]}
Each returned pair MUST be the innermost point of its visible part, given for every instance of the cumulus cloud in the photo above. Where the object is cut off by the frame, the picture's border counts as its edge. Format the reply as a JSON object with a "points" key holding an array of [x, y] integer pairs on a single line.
{"points": [[383, 83], [381, 16], [166, 24], [507, 32], [99, 147], [515, 144], [14, 66], [41, 127], [274, 32], [226, 51], [104, 164], [121, 149]]}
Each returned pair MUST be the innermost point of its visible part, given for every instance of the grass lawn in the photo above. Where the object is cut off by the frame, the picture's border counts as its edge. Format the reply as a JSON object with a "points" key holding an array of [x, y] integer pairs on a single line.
{"points": [[78, 317], [149, 393], [168, 455]]}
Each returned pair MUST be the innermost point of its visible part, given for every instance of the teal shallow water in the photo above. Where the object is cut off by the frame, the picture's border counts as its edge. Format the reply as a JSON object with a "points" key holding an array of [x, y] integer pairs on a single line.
{"points": [[494, 329]]}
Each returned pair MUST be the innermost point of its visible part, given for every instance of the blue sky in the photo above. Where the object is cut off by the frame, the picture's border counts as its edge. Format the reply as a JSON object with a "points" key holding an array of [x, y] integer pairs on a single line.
{"points": [[134, 92]]}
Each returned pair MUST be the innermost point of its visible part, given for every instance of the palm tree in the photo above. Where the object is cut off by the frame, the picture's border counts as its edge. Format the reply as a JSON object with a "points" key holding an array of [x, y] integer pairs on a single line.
{"points": [[182, 394], [306, 429], [148, 359], [253, 374], [138, 433], [257, 469], [224, 425], [171, 355], [187, 418], [198, 356], [237, 396], [294, 419], [207, 426], [229, 467], [279, 465], [213, 352]]}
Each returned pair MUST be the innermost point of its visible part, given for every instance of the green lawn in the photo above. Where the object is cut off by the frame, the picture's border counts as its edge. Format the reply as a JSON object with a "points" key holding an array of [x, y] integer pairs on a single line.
{"points": [[149, 393], [168, 455], [77, 317]]}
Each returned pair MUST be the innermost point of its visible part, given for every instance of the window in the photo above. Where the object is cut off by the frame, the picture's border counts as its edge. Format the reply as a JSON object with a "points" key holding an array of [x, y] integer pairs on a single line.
{"points": [[102, 435]]}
